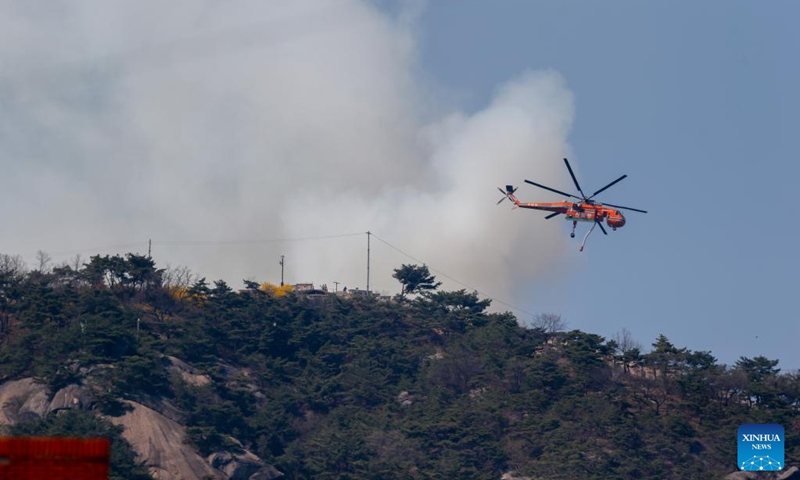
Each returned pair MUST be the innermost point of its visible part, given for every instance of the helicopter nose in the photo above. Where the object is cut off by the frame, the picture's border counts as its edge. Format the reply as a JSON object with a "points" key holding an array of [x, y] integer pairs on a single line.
{"points": [[616, 221]]}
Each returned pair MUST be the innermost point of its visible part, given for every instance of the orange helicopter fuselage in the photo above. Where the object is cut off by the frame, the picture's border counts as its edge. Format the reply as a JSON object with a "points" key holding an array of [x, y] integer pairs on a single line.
{"points": [[578, 211]]}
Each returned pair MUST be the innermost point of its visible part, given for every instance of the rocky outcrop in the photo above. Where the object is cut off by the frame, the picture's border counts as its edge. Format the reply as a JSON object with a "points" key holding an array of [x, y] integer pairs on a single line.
{"points": [[22, 399], [71, 396], [242, 466], [25, 399], [160, 443], [153, 430], [266, 473], [187, 372], [164, 407], [36, 406], [514, 476], [791, 473]]}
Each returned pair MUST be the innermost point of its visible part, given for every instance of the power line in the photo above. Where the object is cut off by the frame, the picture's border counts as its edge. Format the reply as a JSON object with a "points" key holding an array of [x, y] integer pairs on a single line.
{"points": [[98, 249], [490, 297]]}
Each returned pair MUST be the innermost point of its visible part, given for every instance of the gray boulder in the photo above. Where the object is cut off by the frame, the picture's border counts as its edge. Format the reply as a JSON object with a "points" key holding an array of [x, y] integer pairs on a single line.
{"points": [[791, 473], [72, 397], [21, 398], [160, 444], [35, 407], [186, 372], [242, 466], [267, 472]]}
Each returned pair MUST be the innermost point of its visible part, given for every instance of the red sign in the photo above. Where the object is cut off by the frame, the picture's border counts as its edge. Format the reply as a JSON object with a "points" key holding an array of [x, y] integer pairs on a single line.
{"points": [[53, 458]]}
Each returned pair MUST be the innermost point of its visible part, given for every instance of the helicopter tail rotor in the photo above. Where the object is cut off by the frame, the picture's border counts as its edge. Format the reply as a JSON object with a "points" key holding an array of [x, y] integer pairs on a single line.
{"points": [[507, 192]]}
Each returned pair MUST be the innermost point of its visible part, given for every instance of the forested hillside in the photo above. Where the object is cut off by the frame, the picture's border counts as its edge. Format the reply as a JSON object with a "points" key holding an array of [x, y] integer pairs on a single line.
{"points": [[424, 385]]}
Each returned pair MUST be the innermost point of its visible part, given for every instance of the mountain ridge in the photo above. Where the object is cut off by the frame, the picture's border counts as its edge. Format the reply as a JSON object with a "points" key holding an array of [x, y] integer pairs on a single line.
{"points": [[262, 382]]}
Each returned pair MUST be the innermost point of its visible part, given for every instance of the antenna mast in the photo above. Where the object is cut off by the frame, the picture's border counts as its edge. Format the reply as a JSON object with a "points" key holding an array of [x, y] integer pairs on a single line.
{"points": [[281, 262], [368, 236]]}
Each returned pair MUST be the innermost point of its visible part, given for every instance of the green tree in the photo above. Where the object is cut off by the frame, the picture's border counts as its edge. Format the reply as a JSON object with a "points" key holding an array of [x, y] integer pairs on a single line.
{"points": [[665, 359], [141, 272], [460, 301], [415, 279], [760, 372]]}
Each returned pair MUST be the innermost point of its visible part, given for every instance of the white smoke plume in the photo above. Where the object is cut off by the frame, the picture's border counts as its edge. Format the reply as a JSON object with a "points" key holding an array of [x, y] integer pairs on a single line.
{"points": [[198, 122]]}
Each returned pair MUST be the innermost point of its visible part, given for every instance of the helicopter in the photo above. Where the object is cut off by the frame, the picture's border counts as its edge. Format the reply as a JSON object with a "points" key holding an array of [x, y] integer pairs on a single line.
{"points": [[584, 210]]}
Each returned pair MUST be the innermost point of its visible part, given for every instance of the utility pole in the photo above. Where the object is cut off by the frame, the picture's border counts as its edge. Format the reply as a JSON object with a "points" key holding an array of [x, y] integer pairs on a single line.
{"points": [[149, 247], [281, 262], [368, 235], [335, 287]]}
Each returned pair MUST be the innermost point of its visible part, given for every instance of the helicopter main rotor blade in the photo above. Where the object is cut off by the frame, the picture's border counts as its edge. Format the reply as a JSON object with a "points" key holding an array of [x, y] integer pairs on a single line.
{"points": [[574, 179], [625, 208], [609, 185], [552, 189], [600, 224], [552, 215]]}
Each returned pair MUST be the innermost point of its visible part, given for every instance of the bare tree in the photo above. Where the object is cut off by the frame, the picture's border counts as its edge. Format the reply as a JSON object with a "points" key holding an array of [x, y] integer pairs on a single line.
{"points": [[77, 262], [12, 265], [626, 342], [629, 349], [549, 322], [731, 386], [178, 277], [652, 392], [43, 260]]}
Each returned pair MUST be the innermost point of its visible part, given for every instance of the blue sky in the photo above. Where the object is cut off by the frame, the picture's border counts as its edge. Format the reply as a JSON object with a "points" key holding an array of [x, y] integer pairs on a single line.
{"points": [[698, 103]]}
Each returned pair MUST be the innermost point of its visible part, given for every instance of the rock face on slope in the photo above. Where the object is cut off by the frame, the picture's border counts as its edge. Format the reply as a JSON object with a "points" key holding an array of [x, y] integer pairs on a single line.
{"points": [[153, 430], [22, 400], [243, 466], [160, 442], [792, 473], [71, 397], [187, 373], [514, 476]]}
